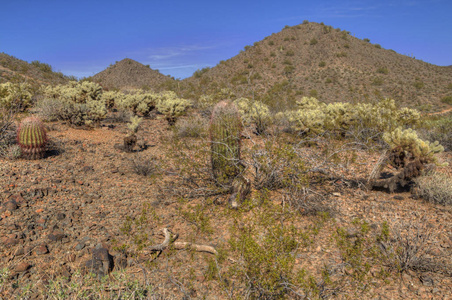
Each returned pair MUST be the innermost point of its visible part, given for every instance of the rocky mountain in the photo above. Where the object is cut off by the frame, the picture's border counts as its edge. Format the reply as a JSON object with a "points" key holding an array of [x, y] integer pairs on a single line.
{"points": [[129, 73], [331, 64]]}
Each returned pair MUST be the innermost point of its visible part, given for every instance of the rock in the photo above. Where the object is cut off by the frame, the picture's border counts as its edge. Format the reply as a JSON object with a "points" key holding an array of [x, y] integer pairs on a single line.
{"points": [[11, 205], [426, 280], [56, 236], [80, 246], [336, 194], [60, 216], [22, 267], [42, 249]]}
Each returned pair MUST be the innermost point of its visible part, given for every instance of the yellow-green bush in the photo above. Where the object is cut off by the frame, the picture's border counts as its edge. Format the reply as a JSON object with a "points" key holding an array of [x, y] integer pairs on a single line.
{"points": [[315, 117], [408, 144], [171, 106], [15, 95], [254, 112], [82, 102]]}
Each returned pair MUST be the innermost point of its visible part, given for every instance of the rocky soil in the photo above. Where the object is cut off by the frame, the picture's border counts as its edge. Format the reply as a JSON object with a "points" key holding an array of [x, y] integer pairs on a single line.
{"points": [[64, 215]]}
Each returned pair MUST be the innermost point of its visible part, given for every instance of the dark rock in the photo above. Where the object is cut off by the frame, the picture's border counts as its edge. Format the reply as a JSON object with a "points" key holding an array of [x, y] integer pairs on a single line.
{"points": [[56, 236], [60, 216]]}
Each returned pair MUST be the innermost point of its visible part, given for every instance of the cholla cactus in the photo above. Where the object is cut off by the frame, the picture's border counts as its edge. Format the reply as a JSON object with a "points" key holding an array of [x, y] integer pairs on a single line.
{"points": [[83, 101], [406, 145], [254, 112], [408, 154], [32, 138], [225, 131], [15, 95], [308, 121], [309, 103], [134, 124], [172, 106]]}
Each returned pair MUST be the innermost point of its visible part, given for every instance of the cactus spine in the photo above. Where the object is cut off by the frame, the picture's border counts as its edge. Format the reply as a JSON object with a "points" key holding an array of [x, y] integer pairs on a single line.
{"points": [[32, 138], [225, 131]]}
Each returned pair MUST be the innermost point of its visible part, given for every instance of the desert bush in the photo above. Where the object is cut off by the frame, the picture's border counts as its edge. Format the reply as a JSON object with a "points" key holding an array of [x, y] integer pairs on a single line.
{"points": [[313, 41], [406, 246], [17, 96], [254, 112], [434, 187], [447, 99], [277, 166], [438, 130], [81, 102], [315, 117], [172, 106], [193, 127], [144, 166]]}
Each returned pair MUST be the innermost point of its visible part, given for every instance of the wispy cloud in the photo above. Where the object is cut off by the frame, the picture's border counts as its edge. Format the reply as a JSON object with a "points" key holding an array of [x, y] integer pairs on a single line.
{"points": [[165, 53]]}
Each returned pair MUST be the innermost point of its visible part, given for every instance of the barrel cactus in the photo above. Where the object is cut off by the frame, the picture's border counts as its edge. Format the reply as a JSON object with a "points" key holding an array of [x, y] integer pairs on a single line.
{"points": [[32, 138], [225, 131]]}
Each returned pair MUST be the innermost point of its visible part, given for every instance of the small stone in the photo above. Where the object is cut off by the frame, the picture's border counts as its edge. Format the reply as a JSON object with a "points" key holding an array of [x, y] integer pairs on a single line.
{"points": [[80, 246], [336, 194], [60, 216], [22, 267], [11, 205], [41, 250]]}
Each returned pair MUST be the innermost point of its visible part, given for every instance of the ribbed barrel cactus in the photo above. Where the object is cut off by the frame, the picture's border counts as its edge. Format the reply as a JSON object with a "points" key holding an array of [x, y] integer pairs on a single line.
{"points": [[32, 138], [225, 130]]}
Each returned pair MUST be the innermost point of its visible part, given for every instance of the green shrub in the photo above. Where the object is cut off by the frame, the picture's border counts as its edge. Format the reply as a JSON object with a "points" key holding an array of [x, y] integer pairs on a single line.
{"points": [[447, 99], [313, 41], [322, 64]]}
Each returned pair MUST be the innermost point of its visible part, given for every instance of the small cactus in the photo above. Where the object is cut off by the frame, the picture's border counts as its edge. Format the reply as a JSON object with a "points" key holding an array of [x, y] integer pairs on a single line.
{"points": [[225, 131], [32, 138]]}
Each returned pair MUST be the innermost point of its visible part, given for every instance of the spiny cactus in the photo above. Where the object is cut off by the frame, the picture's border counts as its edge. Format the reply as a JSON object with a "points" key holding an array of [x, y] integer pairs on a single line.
{"points": [[225, 130], [32, 138]]}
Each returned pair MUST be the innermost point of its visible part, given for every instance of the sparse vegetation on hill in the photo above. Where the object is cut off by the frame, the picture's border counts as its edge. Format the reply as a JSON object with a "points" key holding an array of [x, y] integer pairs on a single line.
{"points": [[302, 58], [36, 72], [127, 73]]}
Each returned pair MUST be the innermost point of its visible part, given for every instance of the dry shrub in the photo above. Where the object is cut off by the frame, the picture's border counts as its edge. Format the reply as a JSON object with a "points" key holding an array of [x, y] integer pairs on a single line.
{"points": [[407, 246], [193, 127], [144, 166], [435, 187]]}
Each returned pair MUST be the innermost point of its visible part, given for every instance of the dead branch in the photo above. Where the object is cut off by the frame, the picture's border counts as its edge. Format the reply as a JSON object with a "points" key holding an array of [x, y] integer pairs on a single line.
{"points": [[180, 245]]}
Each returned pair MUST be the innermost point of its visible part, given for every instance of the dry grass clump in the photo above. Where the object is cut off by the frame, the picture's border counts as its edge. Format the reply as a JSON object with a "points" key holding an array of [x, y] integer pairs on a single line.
{"points": [[435, 187]]}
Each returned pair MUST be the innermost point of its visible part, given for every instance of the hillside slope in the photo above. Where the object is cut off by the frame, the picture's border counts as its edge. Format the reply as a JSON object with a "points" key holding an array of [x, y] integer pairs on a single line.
{"points": [[318, 60], [14, 69], [129, 73]]}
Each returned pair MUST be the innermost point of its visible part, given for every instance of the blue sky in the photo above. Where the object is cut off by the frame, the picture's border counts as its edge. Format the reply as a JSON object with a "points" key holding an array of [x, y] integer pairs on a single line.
{"points": [[177, 37]]}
